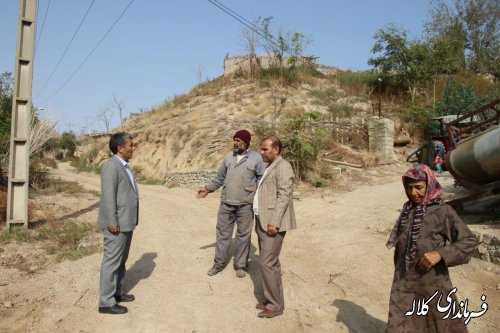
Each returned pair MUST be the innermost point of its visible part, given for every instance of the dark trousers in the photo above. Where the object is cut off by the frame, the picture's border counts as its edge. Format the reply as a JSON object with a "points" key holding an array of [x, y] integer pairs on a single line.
{"points": [[227, 216], [115, 254], [270, 267]]}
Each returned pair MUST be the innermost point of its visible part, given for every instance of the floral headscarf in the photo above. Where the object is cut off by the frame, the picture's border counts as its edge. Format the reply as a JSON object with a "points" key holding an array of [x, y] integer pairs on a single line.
{"points": [[433, 194], [422, 172]]}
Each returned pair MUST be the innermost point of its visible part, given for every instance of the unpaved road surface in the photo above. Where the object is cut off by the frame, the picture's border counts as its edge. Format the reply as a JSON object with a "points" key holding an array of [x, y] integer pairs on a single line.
{"points": [[337, 271]]}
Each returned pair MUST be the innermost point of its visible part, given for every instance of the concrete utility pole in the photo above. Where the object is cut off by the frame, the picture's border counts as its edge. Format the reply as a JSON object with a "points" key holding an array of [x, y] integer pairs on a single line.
{"points": [[17, 197]]}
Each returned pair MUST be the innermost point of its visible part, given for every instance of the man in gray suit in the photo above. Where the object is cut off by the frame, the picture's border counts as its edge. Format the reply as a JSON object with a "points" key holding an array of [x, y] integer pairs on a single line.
{"points": [[238, 175], [274, 215], [118, 216]]}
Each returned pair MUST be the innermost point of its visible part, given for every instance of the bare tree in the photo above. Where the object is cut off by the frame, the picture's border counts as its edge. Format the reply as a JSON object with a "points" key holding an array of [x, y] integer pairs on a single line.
{"points": [[119, 105], [199, 73], [279, 95], [104, 116], [40, 133], [251, 41]]}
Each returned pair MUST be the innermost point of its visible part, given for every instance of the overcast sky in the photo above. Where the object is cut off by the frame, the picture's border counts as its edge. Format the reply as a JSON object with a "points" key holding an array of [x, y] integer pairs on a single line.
{"points": [[157, 48]]}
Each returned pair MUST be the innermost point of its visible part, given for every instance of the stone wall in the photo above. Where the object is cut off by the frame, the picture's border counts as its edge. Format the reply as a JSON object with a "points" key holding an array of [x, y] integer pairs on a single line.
{"points": [[244, 63], [193, 179], [381, 139], [488, 248]]}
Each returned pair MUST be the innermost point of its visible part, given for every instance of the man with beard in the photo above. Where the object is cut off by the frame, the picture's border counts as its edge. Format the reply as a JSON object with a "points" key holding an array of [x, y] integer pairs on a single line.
{"points": [[238, 175]]}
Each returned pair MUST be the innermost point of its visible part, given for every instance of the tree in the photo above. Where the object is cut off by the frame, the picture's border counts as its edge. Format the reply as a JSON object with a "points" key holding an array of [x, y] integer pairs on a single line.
{"points": [[250, 43], [442, 60], [119, 105], [68, 142], [473, 25], [445, 28], [399, 57], [104, 115], [199, 73], [301, 141], [458, 99], [278, 45], [297, 44], [480, 18]]}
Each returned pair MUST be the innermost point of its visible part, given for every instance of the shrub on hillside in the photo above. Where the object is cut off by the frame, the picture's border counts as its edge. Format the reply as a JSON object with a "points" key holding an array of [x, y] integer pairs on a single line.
{"points": [[289, 76], [357, 82]]}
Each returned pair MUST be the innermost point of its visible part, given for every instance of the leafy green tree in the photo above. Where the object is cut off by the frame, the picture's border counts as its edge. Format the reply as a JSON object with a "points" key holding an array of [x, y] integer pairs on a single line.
{"points": [[283, 43], [442, 60], [302, 141], [274, 45], [458, 99], [473, 25], [400, 58], [68, 142]]}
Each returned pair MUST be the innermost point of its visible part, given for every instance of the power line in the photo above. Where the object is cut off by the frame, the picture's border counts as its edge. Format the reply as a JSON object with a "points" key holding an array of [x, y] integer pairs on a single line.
{"points": [[91, 52], [267, 35], [244, 21], [37, 40], [66, 50]]}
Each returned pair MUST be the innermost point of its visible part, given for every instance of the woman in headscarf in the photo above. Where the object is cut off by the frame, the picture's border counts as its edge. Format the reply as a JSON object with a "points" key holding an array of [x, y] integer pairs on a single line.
{"points": [[428, 238]]}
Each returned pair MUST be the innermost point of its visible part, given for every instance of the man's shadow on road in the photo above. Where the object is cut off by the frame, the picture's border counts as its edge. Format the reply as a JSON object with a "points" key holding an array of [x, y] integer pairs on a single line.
{"points": [[141, 270], [356, 318]]}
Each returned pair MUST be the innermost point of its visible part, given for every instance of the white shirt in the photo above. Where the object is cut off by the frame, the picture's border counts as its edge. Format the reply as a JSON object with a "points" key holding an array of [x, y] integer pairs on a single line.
{"points": [[256, 197], [129, 172]]}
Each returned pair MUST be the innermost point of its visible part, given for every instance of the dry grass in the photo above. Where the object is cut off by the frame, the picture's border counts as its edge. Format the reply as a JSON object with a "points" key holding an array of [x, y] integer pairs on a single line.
{"points": [[60, 238], [336, 151], [53, 235], [217, 108], [55, 185]]}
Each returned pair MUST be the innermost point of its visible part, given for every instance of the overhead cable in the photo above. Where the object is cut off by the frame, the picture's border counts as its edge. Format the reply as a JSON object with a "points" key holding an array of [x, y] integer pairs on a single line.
{"points": [[254, 27], [91, 52], [65, 51], [37, 40], [243, 21]]}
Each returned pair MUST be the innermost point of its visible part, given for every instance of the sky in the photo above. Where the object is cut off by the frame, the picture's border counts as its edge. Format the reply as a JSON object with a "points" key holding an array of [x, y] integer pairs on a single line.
{"points": [[159, 48]]}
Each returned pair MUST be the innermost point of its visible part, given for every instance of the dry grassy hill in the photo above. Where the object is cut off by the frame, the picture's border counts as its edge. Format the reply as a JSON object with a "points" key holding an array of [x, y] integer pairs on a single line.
{"points": [[193, 131]]}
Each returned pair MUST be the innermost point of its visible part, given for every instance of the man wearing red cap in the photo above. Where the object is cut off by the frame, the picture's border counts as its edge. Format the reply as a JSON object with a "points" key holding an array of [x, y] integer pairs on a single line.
{"points": [[238, 174]]}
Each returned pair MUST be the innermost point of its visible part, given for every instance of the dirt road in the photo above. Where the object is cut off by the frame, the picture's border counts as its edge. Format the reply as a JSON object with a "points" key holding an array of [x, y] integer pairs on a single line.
{"points": [[337, 272]]}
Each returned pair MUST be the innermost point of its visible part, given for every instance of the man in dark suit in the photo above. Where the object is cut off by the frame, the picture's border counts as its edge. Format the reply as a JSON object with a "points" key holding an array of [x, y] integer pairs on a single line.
{"points": [[274, 215], [118, 216]]}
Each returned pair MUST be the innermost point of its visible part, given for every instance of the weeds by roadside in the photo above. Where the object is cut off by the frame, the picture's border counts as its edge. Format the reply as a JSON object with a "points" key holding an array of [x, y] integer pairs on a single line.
{"points": [[82, 164], [64, 239], [141, 179], [55, 185]]}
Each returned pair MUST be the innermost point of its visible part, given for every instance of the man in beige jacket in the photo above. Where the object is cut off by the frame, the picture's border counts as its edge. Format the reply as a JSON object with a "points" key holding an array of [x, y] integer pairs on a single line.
{"points": [[274, 215]]}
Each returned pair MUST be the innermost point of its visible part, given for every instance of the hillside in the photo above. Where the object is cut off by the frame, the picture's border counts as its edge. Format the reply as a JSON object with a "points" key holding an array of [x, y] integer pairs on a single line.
{"points": [[193, 131]]}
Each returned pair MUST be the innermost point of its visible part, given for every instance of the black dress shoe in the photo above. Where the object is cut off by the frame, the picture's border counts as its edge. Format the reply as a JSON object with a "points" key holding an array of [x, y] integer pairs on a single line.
{"points": [[125, 298], [115, 309]]}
